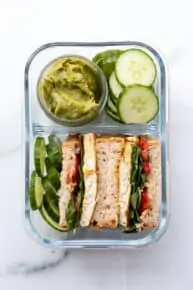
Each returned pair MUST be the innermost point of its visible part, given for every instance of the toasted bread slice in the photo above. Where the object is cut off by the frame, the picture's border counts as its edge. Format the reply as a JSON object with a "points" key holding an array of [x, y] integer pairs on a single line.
{"points": [[125, 186], [90, 179], [150, 218], [70, 148], [108, 155]]}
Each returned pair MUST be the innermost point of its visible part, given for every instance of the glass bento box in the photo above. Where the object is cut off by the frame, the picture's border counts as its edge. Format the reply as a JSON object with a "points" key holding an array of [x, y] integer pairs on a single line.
{"points": [[37, 123]]}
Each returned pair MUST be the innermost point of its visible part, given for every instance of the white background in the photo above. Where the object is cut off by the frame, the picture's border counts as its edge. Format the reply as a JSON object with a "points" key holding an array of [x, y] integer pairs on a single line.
{"points": [[167, 25]]}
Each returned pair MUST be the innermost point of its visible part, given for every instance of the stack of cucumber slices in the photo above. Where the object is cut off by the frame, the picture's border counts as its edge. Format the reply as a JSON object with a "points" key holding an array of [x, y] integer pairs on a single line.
{"points": [[131, 75], [45, 179]]}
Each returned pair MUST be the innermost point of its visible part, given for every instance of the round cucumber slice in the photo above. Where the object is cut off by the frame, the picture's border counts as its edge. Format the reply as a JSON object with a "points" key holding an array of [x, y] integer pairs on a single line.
{"points": [[39, 155], [137, 104], [50, 221], [114, 85], [35, 191], [135, 67]]}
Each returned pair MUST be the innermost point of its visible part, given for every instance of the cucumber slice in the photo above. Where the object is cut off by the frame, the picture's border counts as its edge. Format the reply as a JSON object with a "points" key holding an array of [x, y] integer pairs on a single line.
{"points": [[114, 85], [135, 67], [35, 191], [50, 221], [106, 61], [137, 104], [113, 115], [39, 155], [54, 177], [113, 99], [111, 106], [51, 205]]}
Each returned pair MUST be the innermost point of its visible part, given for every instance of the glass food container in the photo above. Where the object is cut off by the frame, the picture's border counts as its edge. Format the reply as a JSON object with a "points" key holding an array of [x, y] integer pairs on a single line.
{"points": [[38, 124]]}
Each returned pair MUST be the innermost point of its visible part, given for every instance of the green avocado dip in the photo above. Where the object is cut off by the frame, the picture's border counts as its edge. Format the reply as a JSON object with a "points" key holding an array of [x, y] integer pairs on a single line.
{"points": [[70, 88]]}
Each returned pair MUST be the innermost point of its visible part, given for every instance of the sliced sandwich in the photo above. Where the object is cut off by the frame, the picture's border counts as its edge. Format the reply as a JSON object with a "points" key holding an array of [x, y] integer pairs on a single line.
{"points": [[151, 195], [107, 182], [68, 200], [108, 155], [140, 184]]}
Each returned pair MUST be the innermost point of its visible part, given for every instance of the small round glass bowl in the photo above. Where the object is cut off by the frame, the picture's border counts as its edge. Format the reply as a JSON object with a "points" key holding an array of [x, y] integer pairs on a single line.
{"points": [[101, 84]]}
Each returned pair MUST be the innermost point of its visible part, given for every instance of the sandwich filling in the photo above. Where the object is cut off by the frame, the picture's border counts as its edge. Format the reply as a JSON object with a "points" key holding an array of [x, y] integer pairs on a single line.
{"points": [[140, 199]]}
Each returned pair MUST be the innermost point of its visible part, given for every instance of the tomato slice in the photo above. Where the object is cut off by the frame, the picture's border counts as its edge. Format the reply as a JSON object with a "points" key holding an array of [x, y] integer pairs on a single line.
{"points": [[144, 154], [146, 168], [145, 200], [72, 171], [143, 143]]}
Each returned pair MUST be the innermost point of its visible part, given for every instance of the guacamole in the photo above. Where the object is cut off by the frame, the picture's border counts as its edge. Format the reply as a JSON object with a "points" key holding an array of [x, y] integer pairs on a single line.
{"points": [[70, 88]]}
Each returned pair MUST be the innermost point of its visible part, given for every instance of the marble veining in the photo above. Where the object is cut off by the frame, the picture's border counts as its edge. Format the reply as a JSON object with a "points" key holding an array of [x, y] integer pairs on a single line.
{"points": [[29, 268]]}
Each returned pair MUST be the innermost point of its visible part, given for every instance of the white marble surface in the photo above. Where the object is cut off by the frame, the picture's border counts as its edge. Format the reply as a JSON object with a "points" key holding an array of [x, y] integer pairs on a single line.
{"points": [[25, 25]]}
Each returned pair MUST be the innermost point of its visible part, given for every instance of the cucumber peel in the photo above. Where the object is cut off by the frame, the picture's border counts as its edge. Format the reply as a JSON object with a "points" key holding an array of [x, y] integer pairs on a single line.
{"points": [[35, 191], [111, 106], [39, 155]]}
